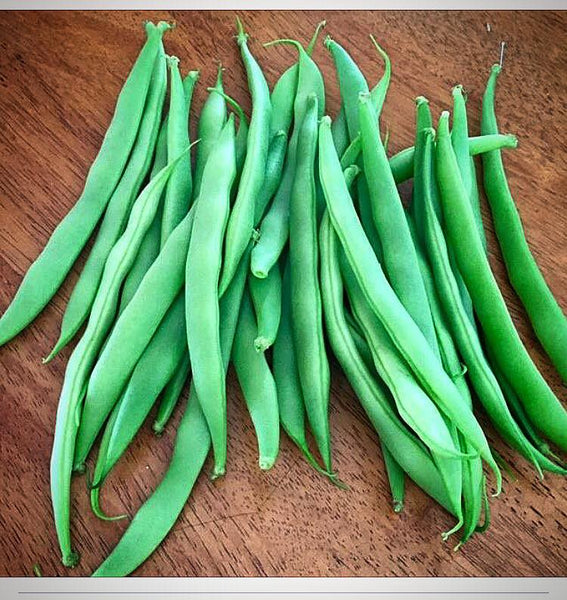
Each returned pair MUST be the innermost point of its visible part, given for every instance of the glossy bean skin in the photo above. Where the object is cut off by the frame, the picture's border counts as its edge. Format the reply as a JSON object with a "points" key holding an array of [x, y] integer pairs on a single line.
{"points": [[405, 334], [85, 353], [286, 376], [399, 254], [306, 308], [408, 450], [140, 319], [203, 268], [159, 512], [473, 481], [241, 220], [402, 162], [180, 185], [47, 272], [171, 395], [545, 314], [152, 241], [537, 397], [155, 368], [273, 174], [117, 211], [463, 331], [211, 122], [257, 385], [266, 297], [274, 228]]}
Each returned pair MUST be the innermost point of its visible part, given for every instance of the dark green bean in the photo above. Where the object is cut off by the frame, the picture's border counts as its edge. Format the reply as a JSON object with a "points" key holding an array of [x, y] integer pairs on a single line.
{"points": [[400, 326], [396, 478], [540, 402], [544, 312]]}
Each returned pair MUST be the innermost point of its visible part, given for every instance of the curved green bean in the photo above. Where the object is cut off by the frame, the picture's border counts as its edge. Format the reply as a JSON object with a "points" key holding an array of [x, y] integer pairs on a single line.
{"points": [[257, 384], [241, 220], [545, 314], [85, 353], [537, 397], [203, 268], [405, 334], [47, 272], [306, 309], [160, 511], [117, 211]]}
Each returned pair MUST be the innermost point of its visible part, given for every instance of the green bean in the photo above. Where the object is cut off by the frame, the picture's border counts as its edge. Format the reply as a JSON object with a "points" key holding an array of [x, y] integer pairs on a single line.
{"points": [[241, 220], [340, 131], [408, 450], [202, 274], [273, 174], [473, 482], [537, 398], [85, 353], [523, 420], [257, 384], [396, 478], [402, 162], [154, 369], [405, 334], [286, 375], [399, 254], [459, 139], [47, 272], [117, 211], [413, 405], [266, 297], [137, 324], [179, 187], [465, 334], [159, 512], [283, 94], [306, 310], [274, 229], [211, 122], [545, 314], [171, 394]]}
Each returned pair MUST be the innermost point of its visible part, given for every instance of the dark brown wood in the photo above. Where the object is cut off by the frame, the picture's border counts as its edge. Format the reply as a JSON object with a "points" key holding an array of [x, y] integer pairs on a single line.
{"points": [[60, 73]]}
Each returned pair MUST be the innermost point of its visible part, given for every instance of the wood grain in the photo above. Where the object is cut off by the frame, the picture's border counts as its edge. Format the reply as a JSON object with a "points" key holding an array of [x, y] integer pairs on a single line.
{"points": [[60, 73]]}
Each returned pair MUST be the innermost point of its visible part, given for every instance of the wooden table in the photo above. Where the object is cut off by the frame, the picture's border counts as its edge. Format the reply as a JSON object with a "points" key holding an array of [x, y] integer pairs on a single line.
{"points": [[60, 73]]}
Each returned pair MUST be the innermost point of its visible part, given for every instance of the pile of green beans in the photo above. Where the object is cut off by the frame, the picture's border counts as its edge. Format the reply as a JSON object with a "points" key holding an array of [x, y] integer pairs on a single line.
{"points": [[285, 241]]}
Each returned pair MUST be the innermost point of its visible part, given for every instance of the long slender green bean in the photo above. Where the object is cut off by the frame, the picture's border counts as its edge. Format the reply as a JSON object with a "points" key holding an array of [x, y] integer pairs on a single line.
{"points": [[85, 353], [241, 221], [545, 314], [160, 511], [405, 334], [45, 275], [202, 275], [117, 211], [537, 397]]}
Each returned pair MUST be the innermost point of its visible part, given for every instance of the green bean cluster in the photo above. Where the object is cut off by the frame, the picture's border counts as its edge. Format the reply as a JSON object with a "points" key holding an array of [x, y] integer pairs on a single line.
{"points": [[286, 241]]}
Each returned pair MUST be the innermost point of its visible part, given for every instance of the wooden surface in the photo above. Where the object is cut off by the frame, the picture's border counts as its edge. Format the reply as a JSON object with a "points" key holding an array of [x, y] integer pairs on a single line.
{"points": [[59, 77]]}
